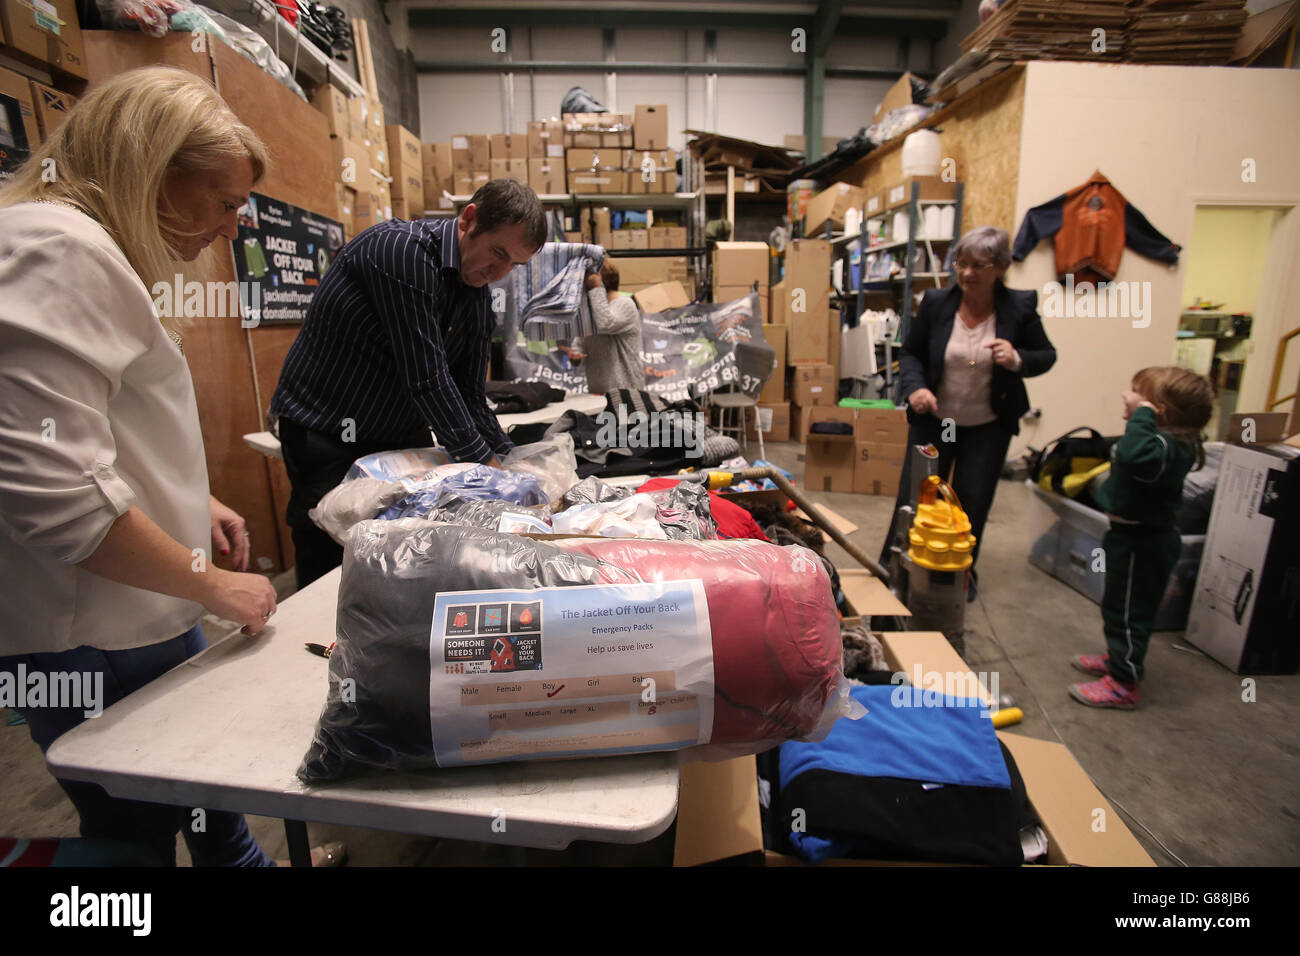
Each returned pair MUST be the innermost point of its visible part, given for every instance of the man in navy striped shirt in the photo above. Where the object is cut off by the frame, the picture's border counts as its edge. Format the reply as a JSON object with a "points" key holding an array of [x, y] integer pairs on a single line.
{"points": [[395, 342]]}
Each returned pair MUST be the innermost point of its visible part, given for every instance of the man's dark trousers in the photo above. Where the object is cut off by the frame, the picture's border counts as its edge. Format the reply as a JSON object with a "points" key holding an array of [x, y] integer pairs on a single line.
{"points": [[316, 462]]}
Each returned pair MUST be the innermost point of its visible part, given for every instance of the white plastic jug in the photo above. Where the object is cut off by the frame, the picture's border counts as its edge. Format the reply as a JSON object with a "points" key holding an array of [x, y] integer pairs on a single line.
{"points": [[852, 221], [921, 153], [947, 221]]}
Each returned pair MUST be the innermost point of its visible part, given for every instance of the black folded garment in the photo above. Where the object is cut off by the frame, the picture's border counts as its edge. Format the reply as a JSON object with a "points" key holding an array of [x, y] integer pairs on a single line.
{"points": [[513, 397], [830, 428]]}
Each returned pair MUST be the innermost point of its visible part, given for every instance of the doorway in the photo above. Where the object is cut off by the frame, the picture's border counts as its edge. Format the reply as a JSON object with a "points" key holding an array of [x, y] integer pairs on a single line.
{"points": [[1225, 269]]}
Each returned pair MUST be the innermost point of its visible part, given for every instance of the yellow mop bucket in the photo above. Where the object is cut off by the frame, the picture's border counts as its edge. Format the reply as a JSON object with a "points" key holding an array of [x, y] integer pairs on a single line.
{"points": [[940, 537]]}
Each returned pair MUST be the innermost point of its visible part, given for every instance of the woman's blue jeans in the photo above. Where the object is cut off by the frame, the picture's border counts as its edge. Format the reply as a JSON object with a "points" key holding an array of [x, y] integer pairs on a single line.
{"points": [[224, 841]]}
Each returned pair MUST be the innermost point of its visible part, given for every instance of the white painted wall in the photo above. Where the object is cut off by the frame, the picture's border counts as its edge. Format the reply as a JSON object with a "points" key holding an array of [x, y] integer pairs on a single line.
{"points": [[1168, 138]]}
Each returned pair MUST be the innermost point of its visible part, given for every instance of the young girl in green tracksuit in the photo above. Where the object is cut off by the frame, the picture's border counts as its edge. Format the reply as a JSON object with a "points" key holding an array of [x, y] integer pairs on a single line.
{"points": [[1166, 409]]}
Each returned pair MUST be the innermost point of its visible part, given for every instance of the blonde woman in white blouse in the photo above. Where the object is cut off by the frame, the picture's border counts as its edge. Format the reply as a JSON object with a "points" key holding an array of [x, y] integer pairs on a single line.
{"points": [[962, 369], [108, 524]]}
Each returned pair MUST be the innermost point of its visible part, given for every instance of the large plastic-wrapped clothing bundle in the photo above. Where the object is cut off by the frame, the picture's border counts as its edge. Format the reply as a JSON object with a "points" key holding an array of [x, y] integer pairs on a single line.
{"points": [[551, 460], [410, 466], [460, 646]]}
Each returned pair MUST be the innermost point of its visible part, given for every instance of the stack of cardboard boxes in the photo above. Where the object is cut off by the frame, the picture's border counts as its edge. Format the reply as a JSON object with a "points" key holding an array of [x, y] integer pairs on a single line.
{"points": [[45, 36], [361, 158], [799, 310], [866, 458], [438, 174], [405, 157], [40, 110], [545, 147]]}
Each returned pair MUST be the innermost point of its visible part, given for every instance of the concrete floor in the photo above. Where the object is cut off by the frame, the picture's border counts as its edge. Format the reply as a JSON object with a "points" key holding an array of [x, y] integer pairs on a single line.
{"points": [[1211, 777]]}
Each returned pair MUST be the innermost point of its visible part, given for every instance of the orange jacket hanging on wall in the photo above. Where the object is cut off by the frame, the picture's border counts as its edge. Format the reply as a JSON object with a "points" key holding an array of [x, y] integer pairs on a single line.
{"points": [[1092, 224]]}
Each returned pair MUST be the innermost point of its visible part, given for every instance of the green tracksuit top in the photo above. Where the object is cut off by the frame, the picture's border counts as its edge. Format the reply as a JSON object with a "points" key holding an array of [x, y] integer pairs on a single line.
{"points": [[1147, 468]]}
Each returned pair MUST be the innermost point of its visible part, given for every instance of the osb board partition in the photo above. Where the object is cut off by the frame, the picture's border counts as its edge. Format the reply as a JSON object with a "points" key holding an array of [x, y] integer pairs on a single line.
{"points": [[981, 133], [110, 52]]}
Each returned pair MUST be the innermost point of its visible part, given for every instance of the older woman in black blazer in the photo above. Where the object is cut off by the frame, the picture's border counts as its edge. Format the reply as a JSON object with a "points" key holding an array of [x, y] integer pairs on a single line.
{"points": [[962, 368]]}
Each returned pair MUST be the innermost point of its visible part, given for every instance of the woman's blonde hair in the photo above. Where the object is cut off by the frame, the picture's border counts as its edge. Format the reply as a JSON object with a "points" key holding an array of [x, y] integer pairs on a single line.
{"points": [[1187, 398], [111, 154]]}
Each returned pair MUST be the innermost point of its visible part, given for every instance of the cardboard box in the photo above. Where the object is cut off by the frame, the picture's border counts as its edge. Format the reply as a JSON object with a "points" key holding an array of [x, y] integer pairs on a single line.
{"points": [[463, 184], [667, 237], [650, 127], [741, 263], [635, 274], [807, 266], [51, 107], [1252, 428], [435, 161], [403, 148], [409, 187], [774, 388], [808, 327], [509, 146], [661, 297], [45, 31], [373, 205], [588, 139], [829, 205], [1244, 611], [595, 171], [347, 202], [573, 237], [896, 97], [594, 223], [883, 426], [629, 239], [359, 113], [546, 176], [930, 187], [516, 169], [829, 459], [877, 468], [378, 149], [834, 338], [609, 182], [545, 140], [812, 385], [470, 153], [351, 161], [333, 102], [375, 121], [722, 807], [774, 420], [651, 171], [478, 179], [875, 203], [24, 127]]}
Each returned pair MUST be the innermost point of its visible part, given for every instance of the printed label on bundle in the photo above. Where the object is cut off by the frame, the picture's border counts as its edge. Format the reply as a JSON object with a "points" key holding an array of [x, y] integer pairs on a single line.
{"points": [[568, 672]]}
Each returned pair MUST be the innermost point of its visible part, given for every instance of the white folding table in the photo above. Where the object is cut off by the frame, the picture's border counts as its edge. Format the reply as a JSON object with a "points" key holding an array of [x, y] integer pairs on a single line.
{"points": [[227, 730], [584, 402]]}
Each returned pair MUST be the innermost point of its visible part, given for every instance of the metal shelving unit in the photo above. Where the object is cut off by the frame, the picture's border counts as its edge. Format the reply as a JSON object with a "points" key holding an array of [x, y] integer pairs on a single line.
{"points": [[295, 50], [854, 300]]}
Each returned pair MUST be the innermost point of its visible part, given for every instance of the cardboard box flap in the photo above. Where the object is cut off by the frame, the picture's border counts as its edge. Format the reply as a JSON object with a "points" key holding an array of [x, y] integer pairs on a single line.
{"points": [[1067, 803], [930, 653], [869, 595], [661, 297], [717, 812]]}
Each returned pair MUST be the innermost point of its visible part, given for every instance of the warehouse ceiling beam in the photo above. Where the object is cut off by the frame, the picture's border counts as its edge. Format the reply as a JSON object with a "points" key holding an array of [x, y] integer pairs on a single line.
{"points": [[929, 23], [705, 69]]}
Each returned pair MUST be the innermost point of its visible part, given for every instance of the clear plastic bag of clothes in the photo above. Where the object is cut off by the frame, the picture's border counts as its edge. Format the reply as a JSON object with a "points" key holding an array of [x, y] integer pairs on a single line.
{"points": [[477, 482], [594, 507], [238, 37], [551, 460], [579, 647], [377, 483]]}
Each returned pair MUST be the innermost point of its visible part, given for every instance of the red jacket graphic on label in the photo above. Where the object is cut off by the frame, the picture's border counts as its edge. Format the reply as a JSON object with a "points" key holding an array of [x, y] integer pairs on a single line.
{"points": [[460, 620], [503, 654]]}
